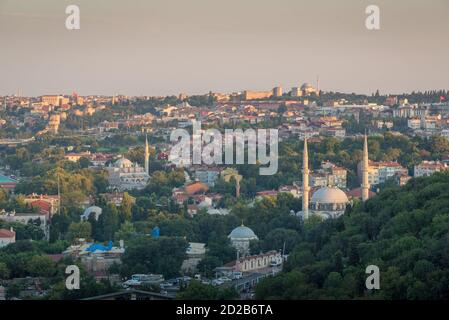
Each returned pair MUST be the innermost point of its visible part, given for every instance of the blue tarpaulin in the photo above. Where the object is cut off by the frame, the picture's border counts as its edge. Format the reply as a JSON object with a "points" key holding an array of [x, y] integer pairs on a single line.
{"points": [[155, 232], [98, 246]]}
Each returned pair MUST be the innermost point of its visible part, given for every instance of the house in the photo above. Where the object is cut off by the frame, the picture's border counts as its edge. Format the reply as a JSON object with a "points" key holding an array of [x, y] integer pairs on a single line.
{"points": [[46, 204], [266, 193], [100, 159], [7, 183], [75, 157], [195, 188], [256, 262], [380, 172], [96, 258], [116, 198], [357, 193], [26, 218], [7, 237], [207, 175], [293, 190], [427, 168]]}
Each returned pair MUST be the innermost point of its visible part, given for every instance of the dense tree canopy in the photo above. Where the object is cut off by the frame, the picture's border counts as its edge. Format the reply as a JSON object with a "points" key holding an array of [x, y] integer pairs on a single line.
{"points": [[404, 231]]}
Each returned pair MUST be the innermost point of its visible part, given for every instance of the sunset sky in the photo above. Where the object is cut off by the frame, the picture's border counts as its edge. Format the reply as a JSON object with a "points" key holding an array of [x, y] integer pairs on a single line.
{"points": [[160, 47]]}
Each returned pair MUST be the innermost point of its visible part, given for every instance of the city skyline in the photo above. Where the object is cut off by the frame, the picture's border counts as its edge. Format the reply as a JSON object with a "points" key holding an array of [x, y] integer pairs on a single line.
{"points": [[165, 48]]}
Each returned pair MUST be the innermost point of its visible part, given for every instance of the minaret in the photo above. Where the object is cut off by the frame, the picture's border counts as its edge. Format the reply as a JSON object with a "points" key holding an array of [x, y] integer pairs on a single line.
{"points": [[147, 156], [305, 182], [237, 187], [365, 166]]}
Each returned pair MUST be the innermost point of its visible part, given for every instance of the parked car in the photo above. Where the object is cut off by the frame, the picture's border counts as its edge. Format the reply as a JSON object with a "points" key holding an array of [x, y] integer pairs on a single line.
{"points": [[140, 279], [224, 279], [217, 282]]}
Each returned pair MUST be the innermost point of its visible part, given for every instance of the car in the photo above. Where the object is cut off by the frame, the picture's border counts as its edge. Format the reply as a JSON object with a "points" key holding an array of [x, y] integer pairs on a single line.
{"points": [[165, 285], [132, 282], [224, 279], [217, 282]]}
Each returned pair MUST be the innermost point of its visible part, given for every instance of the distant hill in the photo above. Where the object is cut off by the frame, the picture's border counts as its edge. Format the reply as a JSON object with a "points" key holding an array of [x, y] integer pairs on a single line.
{"points": [[404, 231]]}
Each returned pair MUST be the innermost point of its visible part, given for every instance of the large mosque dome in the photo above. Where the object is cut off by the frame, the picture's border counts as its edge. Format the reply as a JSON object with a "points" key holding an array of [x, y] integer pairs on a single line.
{"points": [[328, 202], [306, 86], [123, 163], [329, 195], [242, 233], [241, 237]]}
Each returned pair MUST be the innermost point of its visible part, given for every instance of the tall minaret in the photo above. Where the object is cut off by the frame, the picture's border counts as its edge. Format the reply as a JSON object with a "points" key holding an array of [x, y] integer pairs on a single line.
{"points": [[305, 182], [147, 156], [365, 166]]}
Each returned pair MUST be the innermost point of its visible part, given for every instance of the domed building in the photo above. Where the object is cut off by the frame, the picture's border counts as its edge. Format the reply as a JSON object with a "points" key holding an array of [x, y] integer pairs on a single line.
{"points": [[328, 202], [97, 211], [125, 175], [123, 163], [308, 89], [240, 238]]}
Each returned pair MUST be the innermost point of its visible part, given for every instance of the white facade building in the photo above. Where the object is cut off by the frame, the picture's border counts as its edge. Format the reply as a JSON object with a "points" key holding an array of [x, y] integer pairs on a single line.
{"points": [[427, 168]]}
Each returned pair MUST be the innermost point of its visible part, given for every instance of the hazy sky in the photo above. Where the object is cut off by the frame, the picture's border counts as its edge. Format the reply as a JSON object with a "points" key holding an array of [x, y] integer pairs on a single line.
{"points": [[158, 47]]}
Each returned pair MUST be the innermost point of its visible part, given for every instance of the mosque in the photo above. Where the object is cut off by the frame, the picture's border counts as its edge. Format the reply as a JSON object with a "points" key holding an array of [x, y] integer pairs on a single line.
{"points": [[329, 202], [125, 175], [241, 238]]}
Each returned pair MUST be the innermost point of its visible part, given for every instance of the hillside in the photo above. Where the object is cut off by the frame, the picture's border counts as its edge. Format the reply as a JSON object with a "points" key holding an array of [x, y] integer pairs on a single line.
{"points": [[404, 231]]}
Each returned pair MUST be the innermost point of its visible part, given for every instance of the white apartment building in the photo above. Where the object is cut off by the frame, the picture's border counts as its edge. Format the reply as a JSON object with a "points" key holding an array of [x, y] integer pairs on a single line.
{"points": [[380, 172], [256, 262], [303, 134], [414, 123], [24, 218], [427, 168], [207, 175]]}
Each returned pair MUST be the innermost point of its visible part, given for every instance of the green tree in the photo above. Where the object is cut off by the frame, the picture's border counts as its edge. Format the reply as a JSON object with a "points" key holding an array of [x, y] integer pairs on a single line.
{"points": [[162, 255], [77, 230], [4, 271], [126, 232], [199, 291], [126, 207], [41, 266]]}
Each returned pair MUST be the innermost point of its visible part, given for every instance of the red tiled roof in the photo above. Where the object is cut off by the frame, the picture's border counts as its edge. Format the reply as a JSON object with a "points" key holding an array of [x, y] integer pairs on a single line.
{"points": [[4, 233], [196, 187], [41, 204], [357, 193]]}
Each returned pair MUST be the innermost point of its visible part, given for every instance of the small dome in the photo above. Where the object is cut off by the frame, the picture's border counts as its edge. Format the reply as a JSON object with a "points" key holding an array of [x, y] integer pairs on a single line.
{"points": [[329, 195], [93, 209], [123, 163], [306, 86], [242, 233]]}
